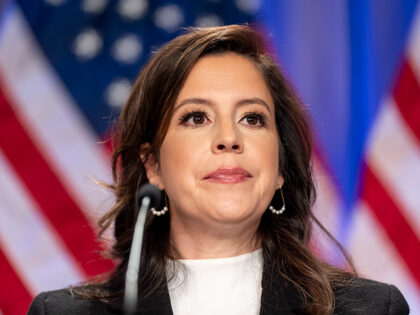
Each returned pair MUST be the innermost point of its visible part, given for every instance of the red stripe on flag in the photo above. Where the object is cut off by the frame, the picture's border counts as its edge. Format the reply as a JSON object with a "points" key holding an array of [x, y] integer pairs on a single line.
{"points": [[48, 191], [407, 98], [398, 229], [14, 297]]}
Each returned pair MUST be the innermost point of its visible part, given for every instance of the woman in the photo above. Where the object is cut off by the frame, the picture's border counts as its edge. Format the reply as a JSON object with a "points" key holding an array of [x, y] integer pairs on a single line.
{"points": [[213, 123]]}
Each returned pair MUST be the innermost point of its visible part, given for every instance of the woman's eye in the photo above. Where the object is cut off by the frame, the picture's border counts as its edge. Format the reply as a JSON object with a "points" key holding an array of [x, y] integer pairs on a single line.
{"points": [[194, 118], [198, 119], [254, 119]]}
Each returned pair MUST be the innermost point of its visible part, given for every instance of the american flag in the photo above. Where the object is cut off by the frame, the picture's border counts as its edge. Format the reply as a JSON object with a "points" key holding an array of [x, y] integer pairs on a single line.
{"points": [[66, 67]]}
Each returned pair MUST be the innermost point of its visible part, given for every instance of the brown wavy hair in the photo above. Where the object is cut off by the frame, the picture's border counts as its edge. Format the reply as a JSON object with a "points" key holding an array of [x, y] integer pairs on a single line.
{"points": [[145, 119]]}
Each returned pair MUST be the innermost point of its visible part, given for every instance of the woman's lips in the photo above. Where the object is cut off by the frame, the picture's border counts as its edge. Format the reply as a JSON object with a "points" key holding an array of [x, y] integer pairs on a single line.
{"points": [[227, 175]]}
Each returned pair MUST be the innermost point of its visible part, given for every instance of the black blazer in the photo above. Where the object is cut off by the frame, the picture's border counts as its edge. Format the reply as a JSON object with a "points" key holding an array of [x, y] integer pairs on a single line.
{"points": [[278, 297]]}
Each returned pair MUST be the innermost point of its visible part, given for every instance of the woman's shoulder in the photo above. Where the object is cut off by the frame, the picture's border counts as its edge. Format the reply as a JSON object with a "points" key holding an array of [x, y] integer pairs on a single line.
{"points": [[362, 296], [64, 302]]}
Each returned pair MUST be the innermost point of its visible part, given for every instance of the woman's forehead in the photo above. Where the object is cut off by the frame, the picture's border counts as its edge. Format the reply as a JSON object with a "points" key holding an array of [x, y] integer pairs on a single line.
{"points": [[225, 75]]}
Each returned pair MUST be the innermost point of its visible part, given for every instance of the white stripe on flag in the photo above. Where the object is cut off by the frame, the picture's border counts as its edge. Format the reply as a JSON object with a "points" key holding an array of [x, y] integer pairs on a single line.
{"points": [[51, 116], [33, 248], [394, 156], [413, 49], [376, 257], [326, 209]]}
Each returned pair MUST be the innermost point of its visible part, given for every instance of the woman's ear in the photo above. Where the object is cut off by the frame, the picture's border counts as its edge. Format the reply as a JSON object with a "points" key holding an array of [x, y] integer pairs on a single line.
{"points": [[151, 164], [280, 181]]}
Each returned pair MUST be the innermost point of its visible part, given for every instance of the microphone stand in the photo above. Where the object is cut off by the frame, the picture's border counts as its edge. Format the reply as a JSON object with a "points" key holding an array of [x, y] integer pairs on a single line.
{"points": [[132, 274]]}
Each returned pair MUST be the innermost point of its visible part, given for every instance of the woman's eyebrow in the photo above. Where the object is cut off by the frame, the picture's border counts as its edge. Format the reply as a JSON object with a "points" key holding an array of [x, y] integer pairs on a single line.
{"points": [[254, 100], [203, 101], [194, 100]]}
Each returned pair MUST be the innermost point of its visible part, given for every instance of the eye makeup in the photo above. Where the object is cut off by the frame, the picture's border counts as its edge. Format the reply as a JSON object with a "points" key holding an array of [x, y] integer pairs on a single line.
{"points": [[193, 118], [196, 116], [254, 119]]}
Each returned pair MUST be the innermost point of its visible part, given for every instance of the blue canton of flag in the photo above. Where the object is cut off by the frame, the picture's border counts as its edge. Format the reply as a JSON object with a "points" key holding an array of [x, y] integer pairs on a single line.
{"points": [[98, 46]]}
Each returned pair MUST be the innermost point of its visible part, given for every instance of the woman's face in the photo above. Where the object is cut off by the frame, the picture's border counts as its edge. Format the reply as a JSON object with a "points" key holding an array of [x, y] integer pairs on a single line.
{"points": [[219, 160]]}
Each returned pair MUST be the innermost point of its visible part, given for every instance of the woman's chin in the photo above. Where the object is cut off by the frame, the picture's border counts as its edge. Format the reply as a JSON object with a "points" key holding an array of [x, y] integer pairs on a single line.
{"points": [[231, 212]]}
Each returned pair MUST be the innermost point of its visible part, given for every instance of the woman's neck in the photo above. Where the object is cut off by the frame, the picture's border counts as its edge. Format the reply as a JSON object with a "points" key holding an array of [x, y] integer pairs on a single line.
{"points": [[195, 241]]}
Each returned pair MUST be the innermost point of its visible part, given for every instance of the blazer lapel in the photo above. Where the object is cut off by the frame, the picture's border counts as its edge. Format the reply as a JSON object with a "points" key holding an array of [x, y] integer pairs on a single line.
{"points": [[279, 296], [157, 304]]}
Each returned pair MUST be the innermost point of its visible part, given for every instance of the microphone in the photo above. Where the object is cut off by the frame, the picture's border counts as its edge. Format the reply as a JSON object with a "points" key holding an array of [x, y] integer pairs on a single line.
{"points": [[151, 191], [147, 196]]}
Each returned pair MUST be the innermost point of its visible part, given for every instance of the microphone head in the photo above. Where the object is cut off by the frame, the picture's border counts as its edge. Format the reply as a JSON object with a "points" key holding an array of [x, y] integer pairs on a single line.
{"points": [[151, 191]]}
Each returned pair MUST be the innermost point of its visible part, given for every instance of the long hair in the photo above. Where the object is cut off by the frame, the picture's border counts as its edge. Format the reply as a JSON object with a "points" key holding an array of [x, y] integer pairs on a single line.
{"points": [[145, 119]]}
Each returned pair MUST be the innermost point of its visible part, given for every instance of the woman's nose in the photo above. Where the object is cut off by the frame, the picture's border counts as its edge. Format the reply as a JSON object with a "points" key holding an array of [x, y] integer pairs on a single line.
{"points": [[227, 139]]}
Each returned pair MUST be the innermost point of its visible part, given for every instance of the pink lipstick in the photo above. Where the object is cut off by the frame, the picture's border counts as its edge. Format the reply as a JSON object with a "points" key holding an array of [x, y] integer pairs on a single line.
{"points": [[228, 175]]}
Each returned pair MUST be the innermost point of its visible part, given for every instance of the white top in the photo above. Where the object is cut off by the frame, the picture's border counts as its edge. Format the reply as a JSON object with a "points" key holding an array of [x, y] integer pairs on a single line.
{"points": [[218, 286]]}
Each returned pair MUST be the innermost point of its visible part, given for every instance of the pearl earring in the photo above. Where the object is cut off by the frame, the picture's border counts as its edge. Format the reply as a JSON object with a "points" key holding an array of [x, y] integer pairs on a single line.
{"points": [[160, 212], [282, 209]]}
